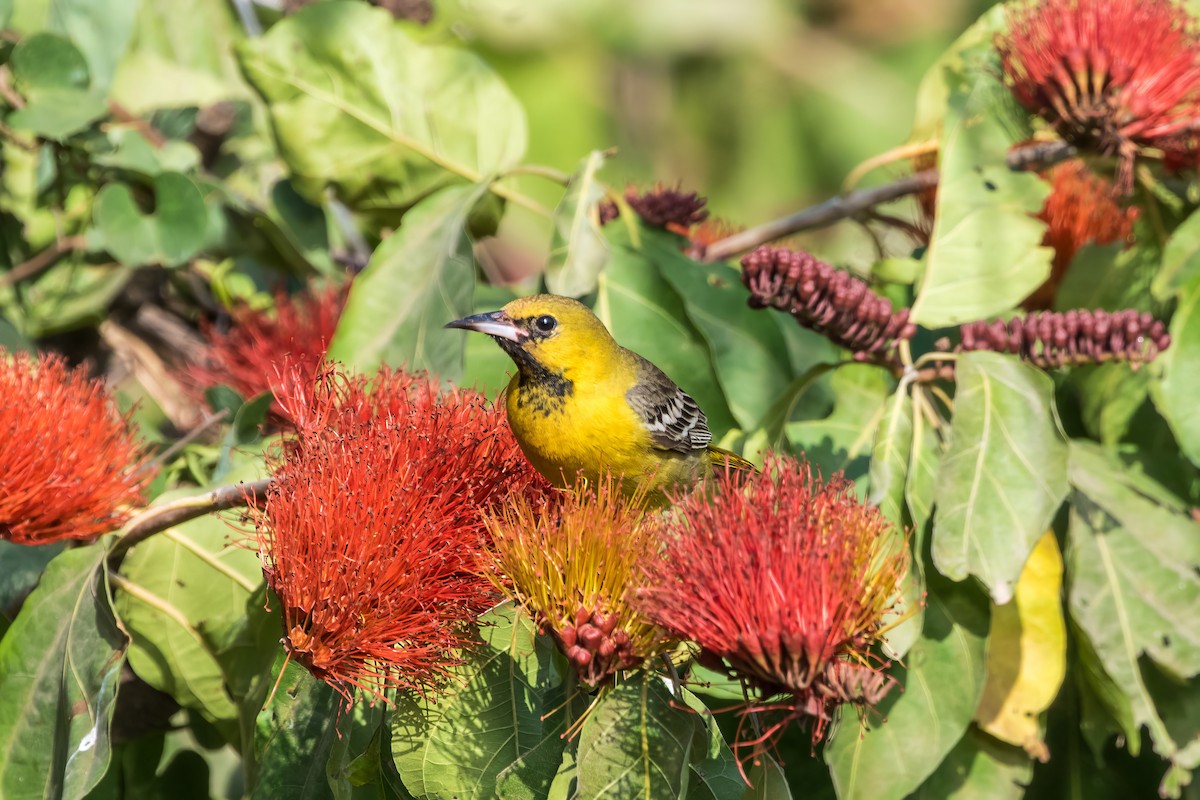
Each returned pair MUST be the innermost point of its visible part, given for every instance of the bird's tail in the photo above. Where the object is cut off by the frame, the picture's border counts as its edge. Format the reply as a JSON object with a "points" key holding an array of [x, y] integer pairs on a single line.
{"points": [[721, 458]]}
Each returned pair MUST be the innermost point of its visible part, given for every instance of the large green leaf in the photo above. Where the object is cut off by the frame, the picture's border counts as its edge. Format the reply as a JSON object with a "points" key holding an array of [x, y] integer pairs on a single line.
{"points": [[979, 768], [748, 349], [186, 592], [419, 279], [649, 317], [60, 665], [1132, 563], [921, 721], [984, 255], [181, 55], [170, 235], [296, 735], [578, 249], [21, 568], [359, 105], [635, 743], [1004, 475], [1177, 374], [843, 440], [496, 730]]}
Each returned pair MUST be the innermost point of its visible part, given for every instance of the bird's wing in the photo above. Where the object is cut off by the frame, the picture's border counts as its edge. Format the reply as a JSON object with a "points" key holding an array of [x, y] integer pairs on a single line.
{"points": [[670, 414]]}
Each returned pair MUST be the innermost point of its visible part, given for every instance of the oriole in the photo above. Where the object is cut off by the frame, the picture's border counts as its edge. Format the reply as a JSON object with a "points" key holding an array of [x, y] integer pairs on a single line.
{"points": [[580, 403]]}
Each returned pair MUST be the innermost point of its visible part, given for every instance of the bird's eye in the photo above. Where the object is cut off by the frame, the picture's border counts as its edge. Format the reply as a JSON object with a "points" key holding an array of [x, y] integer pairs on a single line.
{"points": [[545, 323]]}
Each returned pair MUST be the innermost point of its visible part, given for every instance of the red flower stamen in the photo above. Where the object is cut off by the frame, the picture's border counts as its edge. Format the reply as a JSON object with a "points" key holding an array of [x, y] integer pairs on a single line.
{"points": [[1110, 75], [70, 464], [372, 533], [796, 575]]}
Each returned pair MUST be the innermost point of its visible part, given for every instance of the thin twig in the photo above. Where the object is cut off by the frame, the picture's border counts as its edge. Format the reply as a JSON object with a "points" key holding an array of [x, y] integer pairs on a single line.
{"points": [[158, 518], [189, 437], [851, 204], [42, 261]]}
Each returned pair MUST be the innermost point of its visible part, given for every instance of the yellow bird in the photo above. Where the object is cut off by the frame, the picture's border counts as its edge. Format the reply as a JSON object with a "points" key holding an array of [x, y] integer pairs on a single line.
{"points": [[581, 403]]}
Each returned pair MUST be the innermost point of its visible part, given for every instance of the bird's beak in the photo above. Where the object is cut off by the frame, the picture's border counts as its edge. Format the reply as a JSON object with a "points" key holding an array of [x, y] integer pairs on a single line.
{"points": [[493, 323]]}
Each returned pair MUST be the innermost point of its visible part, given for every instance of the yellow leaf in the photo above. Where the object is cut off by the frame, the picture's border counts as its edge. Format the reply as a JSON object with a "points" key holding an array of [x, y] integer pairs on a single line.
{"points": [[1027, 652]]}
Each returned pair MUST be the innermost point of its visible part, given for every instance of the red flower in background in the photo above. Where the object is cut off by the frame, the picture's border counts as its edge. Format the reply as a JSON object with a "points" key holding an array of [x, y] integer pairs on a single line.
{"points": [[372, 533], [252, 353], [1109, 75], [70, 464], [785, 580], [1080, 210]]}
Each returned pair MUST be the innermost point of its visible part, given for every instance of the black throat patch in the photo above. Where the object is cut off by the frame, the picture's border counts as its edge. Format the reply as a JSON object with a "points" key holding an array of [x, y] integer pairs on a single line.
{"points": [[542, 390]]}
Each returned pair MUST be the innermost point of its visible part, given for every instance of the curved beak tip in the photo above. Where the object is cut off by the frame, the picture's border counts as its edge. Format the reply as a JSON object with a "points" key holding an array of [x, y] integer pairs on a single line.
{"points": [[493, 323]]}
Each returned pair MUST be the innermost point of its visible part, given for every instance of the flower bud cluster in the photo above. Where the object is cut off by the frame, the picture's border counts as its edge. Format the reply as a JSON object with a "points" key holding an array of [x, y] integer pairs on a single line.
{"points": [[827, 300], [595, 646], [1057, 339], [660, 207]]}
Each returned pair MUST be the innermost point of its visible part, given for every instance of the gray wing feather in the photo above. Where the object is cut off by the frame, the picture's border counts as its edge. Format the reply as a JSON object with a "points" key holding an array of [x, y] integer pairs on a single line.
{"points": [[673, 418]]}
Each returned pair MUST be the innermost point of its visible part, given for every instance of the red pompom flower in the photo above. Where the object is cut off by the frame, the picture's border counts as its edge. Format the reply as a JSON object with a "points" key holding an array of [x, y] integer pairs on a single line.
{"points": [[251, 354], [784, 580], [1110, 75], [371, 535], [70, 464]]}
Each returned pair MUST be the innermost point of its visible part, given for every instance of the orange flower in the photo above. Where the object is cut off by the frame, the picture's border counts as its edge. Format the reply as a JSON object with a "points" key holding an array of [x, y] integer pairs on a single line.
{"points": [[372, 533], [785, 580], [573, 564], [70, 465], [252, 353], [1080, 210]]}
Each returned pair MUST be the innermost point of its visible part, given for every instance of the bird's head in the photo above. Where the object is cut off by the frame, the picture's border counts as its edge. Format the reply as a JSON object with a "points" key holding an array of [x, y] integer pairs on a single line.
{"points": [[544, 331]]}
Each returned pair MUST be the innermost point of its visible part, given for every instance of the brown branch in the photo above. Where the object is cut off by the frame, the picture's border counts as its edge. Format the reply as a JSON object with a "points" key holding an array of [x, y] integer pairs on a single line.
{"points": [[42, 261], [151, 134], [851, 204], [158, 518]]}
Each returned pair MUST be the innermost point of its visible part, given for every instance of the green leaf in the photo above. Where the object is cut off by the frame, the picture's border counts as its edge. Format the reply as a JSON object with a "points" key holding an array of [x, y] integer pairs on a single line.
{"points": [[170, 235], [985, 255], [1132, 564], [578, 249], [890, 458], [99, 29], [1176, 381], [60, 666], [1004, 474], [979, 768], [649, 317], [21, 568], [748, 349], [48, 61], [181, 56], [71, 296], [358, 105], [920, 721], [635, 743], [843, 440], [1180, 265], [296, 734], [488, 730], [184, 591], [132, 152], [927, 454], [419, 279], [59, 113]]}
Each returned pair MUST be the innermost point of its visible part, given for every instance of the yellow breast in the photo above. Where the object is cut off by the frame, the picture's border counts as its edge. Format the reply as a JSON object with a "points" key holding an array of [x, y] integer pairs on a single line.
{"points": [[591, 430]]}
